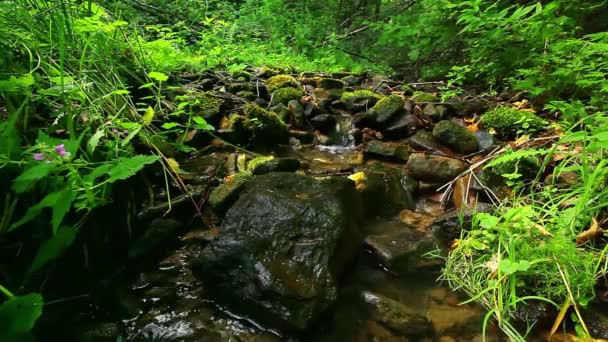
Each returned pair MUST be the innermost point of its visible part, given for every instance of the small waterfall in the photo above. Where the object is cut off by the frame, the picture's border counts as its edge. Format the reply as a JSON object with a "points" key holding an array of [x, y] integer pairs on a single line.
{"points": [[341, 139]]}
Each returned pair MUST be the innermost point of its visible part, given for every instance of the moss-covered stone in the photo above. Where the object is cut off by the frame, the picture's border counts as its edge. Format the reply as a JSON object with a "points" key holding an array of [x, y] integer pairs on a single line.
{"points": [[238, 86], [222, 197], [386, 108], [358, 94], [509, 122], [424, 97], [330, 83], [241, 75], [281, 81], [265, 72], [284, 95], [249, 95], [258, 126], [407, 89], [455, 136], [202, 104]]}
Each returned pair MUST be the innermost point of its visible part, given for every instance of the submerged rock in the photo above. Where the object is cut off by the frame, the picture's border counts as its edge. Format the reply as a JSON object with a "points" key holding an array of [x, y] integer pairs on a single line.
{"points": [[434, 168], [282, 248], [396, 316], [455, 136]]}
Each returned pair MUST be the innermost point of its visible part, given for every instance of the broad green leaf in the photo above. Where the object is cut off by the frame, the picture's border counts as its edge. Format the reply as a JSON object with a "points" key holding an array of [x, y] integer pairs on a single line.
{"points": [[50, 201], [127, 167], [61, 207], [19, 314], [25, 180], [148, 116], [131, 135], [487, 221], [94, 141], [53, 247], [202, 124], [158, 76]]}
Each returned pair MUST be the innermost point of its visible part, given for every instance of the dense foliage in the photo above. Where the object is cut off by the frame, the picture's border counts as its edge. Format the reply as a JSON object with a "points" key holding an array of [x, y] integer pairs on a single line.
{"points": [[82, 82]]}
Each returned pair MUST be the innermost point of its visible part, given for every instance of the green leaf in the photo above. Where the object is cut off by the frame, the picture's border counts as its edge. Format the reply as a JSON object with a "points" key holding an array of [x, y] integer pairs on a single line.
{"points": [[158, 76], [202, 124], [52, 200], [25, 180], [61, 207], [121, 92], [53, 248], [94, 141], [487, 221], [127, 167], [19, 314], [148, 116], [131, 135], [170, 125]]}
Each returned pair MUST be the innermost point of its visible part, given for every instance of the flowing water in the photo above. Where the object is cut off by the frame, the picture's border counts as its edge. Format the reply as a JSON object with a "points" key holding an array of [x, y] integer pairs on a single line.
{"points": [[169, 304]]}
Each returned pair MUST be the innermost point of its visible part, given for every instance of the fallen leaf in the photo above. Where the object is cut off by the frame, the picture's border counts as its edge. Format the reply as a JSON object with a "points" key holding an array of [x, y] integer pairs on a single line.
{"points": [[542, 230], [590, 233], [174, 165]]}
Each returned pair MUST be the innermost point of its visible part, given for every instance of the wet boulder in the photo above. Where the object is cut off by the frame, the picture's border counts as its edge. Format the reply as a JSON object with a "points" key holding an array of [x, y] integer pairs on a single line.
{"points": [[447, 227], [379, 149], [222, 197], [455, 136], [283, 246], [402, 126], [386, 190], [423, 140], [433, 168], [276, 165], [324, 122], [403, 250]]}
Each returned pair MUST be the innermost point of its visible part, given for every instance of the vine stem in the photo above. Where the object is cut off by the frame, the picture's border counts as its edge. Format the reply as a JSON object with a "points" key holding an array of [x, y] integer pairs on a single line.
{"points": [[6, 292]]}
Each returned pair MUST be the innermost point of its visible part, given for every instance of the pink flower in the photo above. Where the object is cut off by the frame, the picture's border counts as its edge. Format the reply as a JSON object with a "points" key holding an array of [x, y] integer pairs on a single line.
{"points": [[38, 156], [61, 150]]}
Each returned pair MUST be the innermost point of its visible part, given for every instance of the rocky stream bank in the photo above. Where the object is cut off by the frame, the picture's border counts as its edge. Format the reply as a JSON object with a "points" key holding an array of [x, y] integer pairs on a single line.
{"points": [[333, 230]]}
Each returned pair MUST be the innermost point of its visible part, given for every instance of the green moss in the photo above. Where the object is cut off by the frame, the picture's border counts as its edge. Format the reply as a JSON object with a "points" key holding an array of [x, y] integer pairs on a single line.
{"points": [[407, 89], [509, 122], [265, 72], [281, 81], [387, 107], [420, 96], [330, 83], [241, 75], [284, 95], [360, 94], [258, 126], [203, 104]]}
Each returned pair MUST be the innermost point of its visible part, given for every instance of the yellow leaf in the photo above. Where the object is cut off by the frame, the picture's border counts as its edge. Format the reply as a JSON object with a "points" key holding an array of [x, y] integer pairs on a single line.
{"points": [[174, 165], [359, 179], [148, 116]]}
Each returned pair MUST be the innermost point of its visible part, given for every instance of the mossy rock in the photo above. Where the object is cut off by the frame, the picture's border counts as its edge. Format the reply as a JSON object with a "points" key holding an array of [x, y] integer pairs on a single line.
{"points": [[202, 104], [248, 95], [407, 89], [241, 75], [386, 108], [266, 72], [360, 99], [330, 83], [222, 197], [455, 136], [509, 122], [258, 126], [284, 95], [425, 97], [281, 81]]}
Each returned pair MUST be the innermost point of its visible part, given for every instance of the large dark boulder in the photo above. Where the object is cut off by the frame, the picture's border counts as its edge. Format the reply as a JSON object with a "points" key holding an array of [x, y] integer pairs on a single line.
{"points": [[282, 249]]}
